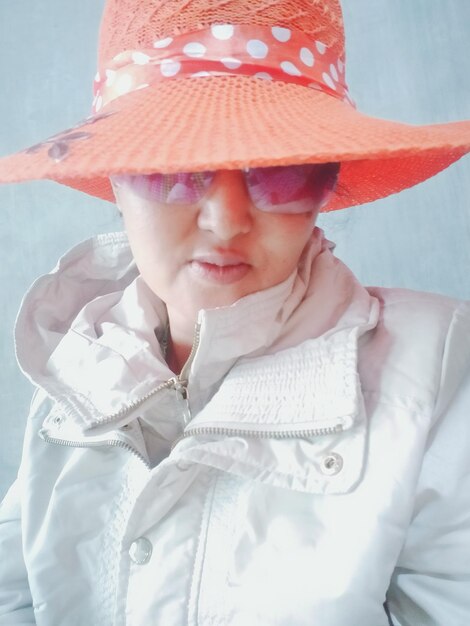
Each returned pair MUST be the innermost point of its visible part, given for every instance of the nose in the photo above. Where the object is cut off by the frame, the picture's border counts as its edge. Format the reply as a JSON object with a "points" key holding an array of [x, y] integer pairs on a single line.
{"points": [[226, 208]]}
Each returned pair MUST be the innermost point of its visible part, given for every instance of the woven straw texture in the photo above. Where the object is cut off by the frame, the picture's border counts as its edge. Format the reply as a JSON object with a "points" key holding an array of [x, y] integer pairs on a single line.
{"points": [[235, 121], [129, 25]]}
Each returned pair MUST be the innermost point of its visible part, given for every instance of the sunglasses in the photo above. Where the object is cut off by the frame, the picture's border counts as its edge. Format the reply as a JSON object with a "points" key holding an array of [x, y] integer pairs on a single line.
{"points": [[288, 189]]}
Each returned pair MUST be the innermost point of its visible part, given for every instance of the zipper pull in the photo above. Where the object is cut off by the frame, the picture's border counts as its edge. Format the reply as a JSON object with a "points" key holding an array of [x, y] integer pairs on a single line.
{"points": [[180, 386], [180, 383]]}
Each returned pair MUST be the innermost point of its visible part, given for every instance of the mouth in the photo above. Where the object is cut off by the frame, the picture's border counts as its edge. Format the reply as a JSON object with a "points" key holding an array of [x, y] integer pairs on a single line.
{"points": [[221, 269]]}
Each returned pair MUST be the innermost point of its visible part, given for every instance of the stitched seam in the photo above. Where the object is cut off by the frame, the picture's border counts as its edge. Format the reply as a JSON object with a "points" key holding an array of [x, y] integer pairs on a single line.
{"points": [[258, 467], [388, 614], [201, 544], [418, 408]]}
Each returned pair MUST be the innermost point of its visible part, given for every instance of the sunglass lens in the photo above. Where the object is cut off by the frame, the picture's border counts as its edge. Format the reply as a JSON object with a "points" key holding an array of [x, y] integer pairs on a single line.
{"points": [[293, 188], [178, 188]]}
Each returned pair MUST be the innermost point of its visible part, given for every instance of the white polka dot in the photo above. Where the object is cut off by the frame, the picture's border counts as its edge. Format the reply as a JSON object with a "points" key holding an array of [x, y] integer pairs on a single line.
{"points": [[162, 43], [123, 84], [289, 68], [257, 49], [99, 103], [168, 67], [328, 80], [263, 75], [222, 31], [97, 77], [121, 56], [280, 33], [320, 47], [334, 72], [306, 56], [194, 49], [140, 58], [201, 74], [340, 66], [110, 77], [231, 63]]}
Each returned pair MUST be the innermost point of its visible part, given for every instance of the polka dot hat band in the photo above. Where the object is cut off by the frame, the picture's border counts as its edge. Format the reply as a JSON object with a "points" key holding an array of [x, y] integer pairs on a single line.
{"points": [[267, 53], [229, 84]]}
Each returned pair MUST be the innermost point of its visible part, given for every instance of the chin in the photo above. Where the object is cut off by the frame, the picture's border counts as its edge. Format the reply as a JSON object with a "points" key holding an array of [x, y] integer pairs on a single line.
{"points": [[219, 299]]}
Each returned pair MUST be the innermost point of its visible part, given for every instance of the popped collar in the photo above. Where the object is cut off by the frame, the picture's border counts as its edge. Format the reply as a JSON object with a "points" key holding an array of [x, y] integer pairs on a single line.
{"points": [[109, 357]]}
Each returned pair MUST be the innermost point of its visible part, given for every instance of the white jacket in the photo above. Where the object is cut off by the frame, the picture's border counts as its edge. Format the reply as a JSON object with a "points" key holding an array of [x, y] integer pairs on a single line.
{"points": [[318, 465]]}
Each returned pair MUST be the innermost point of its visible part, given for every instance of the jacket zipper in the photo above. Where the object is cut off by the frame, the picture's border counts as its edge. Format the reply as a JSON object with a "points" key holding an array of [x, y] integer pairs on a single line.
{"points": [[179, 384], [262, 434], [94, 444]]}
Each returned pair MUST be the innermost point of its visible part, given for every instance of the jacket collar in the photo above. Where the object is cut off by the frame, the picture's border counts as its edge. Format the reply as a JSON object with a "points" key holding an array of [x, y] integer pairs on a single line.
{"points": [[87, 333]]}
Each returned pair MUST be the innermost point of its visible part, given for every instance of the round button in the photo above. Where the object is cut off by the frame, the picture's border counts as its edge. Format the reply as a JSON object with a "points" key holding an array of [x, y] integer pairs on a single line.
{"points": [[332, 464], [140, 551], [183, 466]]}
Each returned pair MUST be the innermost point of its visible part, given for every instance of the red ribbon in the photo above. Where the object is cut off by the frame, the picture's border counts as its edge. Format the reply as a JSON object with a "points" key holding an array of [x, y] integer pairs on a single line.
{"points": [[265, 53]]}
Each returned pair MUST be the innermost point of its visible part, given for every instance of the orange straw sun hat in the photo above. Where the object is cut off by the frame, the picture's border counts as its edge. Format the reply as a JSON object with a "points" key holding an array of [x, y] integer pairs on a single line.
{"points": [[212, 84]]}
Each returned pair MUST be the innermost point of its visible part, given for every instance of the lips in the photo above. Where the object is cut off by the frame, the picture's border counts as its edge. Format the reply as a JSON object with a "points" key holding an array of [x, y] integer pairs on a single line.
{"points": [[221, 268], [221, 259]]}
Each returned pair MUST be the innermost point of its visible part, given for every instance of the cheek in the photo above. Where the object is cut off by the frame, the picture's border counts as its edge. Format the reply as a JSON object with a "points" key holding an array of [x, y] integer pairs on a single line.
{"points": [[291, 234], [159, 238], [144, 233], [141, 233]]}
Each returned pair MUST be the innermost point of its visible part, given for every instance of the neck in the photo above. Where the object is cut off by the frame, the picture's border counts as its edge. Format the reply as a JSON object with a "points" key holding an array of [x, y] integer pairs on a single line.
{"points": [[180, 340]]}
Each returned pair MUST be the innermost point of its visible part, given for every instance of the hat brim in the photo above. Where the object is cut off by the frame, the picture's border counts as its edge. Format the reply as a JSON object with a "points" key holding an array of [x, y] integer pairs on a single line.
{"points": [[231, 122]]}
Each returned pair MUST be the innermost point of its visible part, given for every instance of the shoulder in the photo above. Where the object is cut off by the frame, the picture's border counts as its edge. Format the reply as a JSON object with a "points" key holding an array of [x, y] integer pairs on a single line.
{"points": [[416, 306], [420, 348]]}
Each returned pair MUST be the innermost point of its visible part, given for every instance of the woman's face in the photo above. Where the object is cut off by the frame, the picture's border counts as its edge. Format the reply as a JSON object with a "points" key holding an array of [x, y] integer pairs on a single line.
{"points": [[215, 251]]}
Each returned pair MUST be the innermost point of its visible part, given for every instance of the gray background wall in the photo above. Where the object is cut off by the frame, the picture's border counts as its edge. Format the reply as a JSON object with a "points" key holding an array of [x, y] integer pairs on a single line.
{"points": [[407, 60]]}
